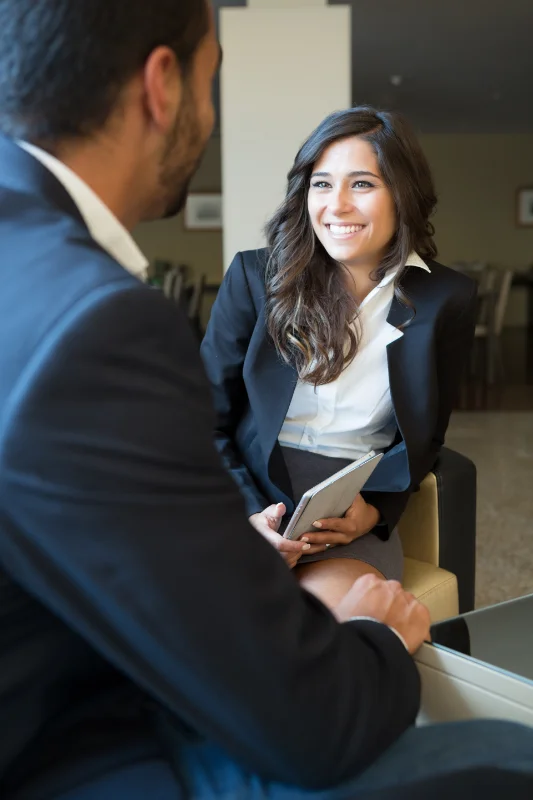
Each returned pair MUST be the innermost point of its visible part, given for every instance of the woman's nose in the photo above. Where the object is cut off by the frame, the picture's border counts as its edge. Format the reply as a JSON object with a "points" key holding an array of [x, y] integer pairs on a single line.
{"points": [[340, 201]]}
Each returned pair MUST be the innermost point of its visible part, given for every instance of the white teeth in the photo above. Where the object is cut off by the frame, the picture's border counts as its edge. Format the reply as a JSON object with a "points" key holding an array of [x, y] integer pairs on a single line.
{"points": [[342, 229]]}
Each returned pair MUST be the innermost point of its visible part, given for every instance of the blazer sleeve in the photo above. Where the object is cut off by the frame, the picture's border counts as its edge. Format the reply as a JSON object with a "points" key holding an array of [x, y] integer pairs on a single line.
{"points": [[224, 348], [119, 518], [455, 337]]}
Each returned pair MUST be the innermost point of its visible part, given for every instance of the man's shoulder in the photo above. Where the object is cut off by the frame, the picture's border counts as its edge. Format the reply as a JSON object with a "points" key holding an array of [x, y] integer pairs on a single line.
{"points": [[57, 275]]}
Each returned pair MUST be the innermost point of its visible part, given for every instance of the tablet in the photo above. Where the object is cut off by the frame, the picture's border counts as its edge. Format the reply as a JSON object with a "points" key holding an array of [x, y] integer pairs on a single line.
{"points": [[333, 497]]}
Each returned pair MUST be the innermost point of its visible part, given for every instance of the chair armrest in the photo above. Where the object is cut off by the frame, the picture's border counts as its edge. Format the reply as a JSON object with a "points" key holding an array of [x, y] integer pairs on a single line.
{"points": [[419, 523], [439, 524], [456, 477]]}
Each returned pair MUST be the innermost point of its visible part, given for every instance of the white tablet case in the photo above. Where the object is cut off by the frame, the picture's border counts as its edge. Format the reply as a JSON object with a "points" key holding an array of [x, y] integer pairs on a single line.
{"points": [[332, 497]]}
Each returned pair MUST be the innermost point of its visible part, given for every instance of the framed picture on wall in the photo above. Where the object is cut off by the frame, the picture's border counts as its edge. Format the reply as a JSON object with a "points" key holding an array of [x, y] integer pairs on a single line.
{"points": [[524, 207], [203, 211]]}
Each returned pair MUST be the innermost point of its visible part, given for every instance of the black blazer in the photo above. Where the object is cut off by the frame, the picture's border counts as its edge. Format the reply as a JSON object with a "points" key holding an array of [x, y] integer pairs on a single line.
{"points": [[253, 387], [137, 605]]}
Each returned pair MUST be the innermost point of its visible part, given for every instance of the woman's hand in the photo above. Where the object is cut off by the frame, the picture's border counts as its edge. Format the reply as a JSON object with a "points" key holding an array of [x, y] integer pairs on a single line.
{"points": [[360, 518], [267, 522]]}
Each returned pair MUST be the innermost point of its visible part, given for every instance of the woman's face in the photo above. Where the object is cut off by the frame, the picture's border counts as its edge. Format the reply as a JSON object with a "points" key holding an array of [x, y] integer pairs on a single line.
{"points": [[351, 209]]}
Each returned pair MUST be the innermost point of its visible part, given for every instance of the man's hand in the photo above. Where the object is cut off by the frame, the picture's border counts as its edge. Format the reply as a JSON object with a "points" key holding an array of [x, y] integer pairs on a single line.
{"points": [[387, 602], [360, 518], [267, 522]]}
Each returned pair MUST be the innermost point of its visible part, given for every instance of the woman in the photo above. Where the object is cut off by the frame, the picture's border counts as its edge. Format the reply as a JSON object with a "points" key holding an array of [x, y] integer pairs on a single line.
{"points": [[341, 337]]}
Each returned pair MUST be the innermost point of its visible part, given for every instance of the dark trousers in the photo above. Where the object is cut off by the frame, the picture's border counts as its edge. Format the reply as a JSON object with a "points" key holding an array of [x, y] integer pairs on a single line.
{"points": [[489, 759]]}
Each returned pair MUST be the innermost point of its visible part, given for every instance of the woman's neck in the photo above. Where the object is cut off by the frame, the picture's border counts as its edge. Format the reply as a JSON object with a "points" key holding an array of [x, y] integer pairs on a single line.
{"points": [[359, 282]]}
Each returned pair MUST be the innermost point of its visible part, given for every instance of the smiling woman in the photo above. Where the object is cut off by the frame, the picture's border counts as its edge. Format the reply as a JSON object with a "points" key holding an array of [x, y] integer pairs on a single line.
{"points": [[359, 167], [341, 337], [352, 210]]}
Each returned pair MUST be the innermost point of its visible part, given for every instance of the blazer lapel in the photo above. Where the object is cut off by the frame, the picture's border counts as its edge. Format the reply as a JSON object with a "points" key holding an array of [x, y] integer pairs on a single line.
{"points": [[274, 380], [409, 376]]}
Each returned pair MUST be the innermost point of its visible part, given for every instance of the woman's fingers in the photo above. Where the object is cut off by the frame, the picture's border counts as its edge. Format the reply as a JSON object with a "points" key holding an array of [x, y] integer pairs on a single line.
{"points": [[328, 537], [317, 548], [338, 524], [291, 559], [274, 514], [292, 546], [285, 545]]}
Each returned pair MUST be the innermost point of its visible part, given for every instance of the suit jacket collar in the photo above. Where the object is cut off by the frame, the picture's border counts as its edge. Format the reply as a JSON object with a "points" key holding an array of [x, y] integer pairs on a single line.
{"points": [[412, 279], [103, 225], [407, 400], [21, 172], [276, 372]]}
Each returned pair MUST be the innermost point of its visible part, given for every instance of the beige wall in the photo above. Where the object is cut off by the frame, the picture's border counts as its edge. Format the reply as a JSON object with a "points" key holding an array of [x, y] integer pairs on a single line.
{"points": [[477, 177], [168, 239], [286, 3], [274, 92]]}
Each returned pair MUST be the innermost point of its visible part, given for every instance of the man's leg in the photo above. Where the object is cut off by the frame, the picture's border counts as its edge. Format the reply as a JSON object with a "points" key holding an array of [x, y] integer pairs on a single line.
{"points": [[457, 757], [147, 780], [455, 760]]}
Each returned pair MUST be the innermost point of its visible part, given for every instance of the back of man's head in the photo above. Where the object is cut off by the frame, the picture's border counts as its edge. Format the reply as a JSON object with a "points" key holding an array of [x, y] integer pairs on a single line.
{"points": [[64, 63]]}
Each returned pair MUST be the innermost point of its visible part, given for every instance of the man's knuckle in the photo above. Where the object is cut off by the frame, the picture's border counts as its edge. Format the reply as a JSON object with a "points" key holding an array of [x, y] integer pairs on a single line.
{"points": [[396, 586]]}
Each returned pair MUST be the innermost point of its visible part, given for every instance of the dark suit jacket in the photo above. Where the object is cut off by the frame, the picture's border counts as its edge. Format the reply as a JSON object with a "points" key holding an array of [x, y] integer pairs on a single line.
{"points": [[137, 606], [253, 387]]}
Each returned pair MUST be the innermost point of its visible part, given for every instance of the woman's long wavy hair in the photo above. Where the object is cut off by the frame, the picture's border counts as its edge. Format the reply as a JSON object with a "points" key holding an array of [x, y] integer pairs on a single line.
{"points": [[309, 311]]}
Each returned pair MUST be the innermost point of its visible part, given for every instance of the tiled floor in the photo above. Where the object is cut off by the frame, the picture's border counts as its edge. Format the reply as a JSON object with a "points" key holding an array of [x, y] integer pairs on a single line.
{"points": [[501, 445]]}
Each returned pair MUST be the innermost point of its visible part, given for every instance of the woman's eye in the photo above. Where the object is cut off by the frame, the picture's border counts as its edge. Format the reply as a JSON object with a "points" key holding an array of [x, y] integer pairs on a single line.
{"points": [[362, 185], [320, 184]]}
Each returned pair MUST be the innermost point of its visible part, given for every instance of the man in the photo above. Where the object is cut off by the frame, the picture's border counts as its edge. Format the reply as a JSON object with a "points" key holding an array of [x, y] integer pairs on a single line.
{"points": [[151, 643]]}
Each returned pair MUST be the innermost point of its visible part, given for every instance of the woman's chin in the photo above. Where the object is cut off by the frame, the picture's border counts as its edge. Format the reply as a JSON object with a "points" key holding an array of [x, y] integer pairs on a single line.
{"points": [[347, 254]]}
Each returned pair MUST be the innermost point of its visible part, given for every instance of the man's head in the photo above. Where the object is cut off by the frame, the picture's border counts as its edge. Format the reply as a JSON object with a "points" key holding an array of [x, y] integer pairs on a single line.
{"points": [[97, 76]]}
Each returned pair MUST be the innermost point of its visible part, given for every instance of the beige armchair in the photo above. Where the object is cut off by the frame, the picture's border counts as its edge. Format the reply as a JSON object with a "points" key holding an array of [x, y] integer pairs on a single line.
{"points": [[438, 532]]}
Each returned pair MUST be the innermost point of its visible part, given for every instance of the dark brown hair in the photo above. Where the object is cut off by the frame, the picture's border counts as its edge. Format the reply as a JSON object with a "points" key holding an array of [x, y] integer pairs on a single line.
{"points": [[309, 311], [64, 63]]}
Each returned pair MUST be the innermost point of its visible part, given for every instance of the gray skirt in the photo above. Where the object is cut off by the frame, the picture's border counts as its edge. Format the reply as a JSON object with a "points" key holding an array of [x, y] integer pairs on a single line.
{"points": [[306, 470]]}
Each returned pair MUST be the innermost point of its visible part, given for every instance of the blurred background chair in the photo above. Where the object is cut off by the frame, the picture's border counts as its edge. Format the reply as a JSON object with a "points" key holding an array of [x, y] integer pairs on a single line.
{"points": [[174, 282], [195, 304], [184, 288], [494, 299]]}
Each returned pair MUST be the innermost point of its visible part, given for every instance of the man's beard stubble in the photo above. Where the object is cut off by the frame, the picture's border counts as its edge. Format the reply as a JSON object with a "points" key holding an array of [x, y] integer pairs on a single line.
{"points": [[181, 159]]}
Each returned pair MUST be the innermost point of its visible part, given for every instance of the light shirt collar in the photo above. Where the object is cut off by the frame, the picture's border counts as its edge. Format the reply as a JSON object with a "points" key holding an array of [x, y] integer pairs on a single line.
{"points": [[413, 260], [103, 226]]}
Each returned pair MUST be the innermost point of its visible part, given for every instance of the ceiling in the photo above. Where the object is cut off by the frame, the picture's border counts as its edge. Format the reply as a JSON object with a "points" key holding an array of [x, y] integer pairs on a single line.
{"points": [[466, 66]]}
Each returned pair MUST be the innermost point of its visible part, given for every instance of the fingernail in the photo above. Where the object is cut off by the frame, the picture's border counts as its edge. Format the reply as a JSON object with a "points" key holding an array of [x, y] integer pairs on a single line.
{"points": [[305, 539], [306, 547], [317, 524]]}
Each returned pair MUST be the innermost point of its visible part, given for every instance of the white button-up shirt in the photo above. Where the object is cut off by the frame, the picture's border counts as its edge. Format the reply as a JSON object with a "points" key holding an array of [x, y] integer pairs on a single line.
{"points": [[103, 226], [352, 415]]}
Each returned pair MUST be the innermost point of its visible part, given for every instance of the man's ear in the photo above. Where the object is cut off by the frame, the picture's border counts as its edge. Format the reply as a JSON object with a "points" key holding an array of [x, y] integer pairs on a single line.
{"points": [[163, 86]]}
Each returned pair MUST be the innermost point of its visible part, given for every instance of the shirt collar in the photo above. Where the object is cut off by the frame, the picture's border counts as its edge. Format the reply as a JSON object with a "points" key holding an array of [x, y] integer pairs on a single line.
{"points": [[103, 226], [413, 260]]}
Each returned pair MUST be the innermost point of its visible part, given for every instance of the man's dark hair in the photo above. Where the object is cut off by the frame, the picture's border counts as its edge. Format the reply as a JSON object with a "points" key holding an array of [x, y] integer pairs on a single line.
{"points": [[64, 63]]}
